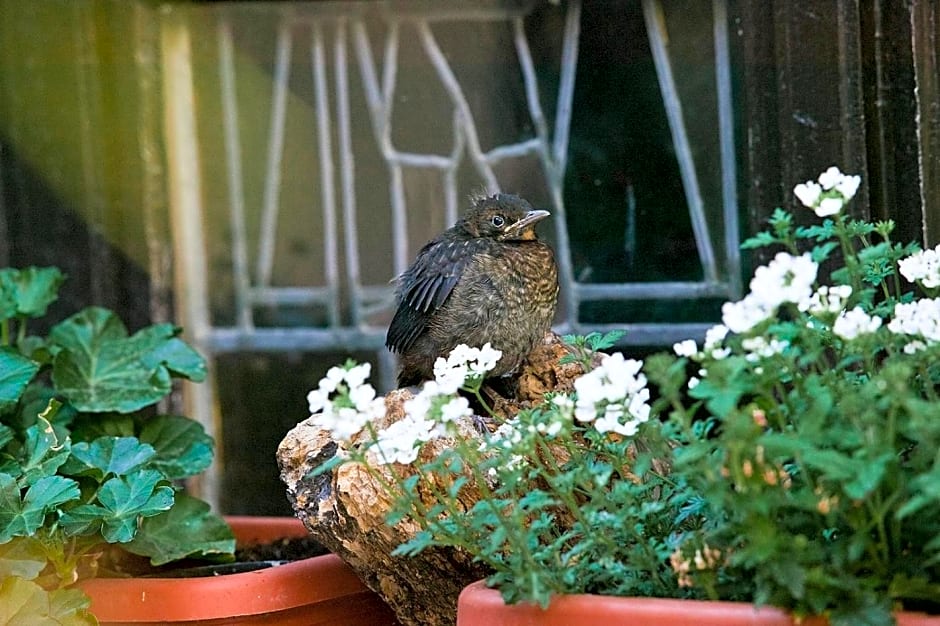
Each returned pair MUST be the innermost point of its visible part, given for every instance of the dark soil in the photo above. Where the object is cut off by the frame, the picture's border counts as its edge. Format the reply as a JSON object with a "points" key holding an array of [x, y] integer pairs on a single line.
{"points": [[286, 549]]}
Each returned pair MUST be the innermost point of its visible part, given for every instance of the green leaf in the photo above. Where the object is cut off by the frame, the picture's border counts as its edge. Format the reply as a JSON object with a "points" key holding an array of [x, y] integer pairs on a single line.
{"points": [[108, 456], [99, 368], [177, 356], [36, 289], [23, 557], [15, 373], [43, 453], [123, 500], [189, 529], [24, 603], [182, 446], [24, 517]]}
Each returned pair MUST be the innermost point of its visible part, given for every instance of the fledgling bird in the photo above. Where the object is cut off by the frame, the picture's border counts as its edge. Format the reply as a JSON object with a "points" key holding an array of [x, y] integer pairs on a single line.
{"points": [[488, 278]]}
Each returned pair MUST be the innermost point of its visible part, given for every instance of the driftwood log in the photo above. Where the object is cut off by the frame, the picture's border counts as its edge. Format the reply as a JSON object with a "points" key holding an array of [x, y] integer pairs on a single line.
{"points": [[346, 509]]}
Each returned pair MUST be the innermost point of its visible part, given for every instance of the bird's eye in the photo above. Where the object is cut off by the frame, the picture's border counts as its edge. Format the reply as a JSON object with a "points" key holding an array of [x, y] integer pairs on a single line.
{"points": [[497, 221]]}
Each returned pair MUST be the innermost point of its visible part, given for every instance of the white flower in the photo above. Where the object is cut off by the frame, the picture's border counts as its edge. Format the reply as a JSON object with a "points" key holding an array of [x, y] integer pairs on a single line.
{"points": [[851, 324], [455, 409], [848, 186], [922, 266], [317, 399], [830, 194], [401, 441], [612, 391], [358, 374], [713, 338], [342, 424], [686, 348], [334, 376], [448, 375], [786, 278], [743, 315], [829, 206], [362, 397], [915, 346], [486, 360], [808, 193], [759, 348], [830, 178], [826, 300], [921, 317], [693, 382]]}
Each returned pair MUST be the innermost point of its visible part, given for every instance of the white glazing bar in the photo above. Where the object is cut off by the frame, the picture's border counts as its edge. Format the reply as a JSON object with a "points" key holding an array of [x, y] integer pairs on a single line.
{"points": [[347, 170], [729, 184], [452, 86], [530, 81], [655, 25], [379, 103], [569, 66], [450, 175], [410, 159], [233, 162], [513, 151], [556, 164], [370, 85], [400, 254], [327, 170], [272, 182]]}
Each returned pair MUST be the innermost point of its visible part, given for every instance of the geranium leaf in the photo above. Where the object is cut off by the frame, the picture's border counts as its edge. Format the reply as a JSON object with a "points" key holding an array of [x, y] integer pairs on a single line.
{"points": [[15, 373], [24, 516], [43, 453], [182, 446], [127, 498], [108, 456], [23, 602], [99, 368], [23, 557], [189, 529], [28, 292]]}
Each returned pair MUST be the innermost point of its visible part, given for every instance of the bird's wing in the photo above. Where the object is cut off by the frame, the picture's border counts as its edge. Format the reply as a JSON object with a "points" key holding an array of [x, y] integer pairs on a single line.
{"points": [[424, 287]]}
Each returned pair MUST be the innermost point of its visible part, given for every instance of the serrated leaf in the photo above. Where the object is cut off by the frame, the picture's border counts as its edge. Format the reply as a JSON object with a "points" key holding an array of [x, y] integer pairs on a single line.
{"points": [[108, 456], [36, 289], [182, 446], [178, 357], [25, 516], [125, 499], [99, 368], [24, 603], [23, 557], [43, 452], [15, 373], [189, 529]]}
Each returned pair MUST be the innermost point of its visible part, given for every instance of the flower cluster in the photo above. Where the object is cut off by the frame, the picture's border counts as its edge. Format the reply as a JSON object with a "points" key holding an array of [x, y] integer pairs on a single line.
{"points": [[827, 196], [613, 396], [922, 267], [343, 403]]}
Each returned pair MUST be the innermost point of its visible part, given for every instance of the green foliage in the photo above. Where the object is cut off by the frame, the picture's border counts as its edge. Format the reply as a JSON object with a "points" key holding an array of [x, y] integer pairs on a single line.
{"points": [[819, 472], [83, 458]]}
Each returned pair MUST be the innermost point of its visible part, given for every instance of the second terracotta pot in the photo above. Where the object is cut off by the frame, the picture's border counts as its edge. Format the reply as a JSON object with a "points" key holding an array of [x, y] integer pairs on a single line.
{"points": [[481, 606], [320, 590]]}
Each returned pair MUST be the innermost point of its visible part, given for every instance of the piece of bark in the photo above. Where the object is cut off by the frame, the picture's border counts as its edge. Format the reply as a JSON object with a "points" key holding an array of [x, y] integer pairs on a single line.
{"points": [[346, 508]]}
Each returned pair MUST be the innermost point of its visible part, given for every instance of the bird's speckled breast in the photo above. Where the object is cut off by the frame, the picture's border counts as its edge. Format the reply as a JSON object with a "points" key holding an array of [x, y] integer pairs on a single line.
{"points": [[506, 296]]}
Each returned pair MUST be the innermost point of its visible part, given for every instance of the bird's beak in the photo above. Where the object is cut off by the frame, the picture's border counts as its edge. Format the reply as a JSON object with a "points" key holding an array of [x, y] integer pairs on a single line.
{"points": [[530, 218]]}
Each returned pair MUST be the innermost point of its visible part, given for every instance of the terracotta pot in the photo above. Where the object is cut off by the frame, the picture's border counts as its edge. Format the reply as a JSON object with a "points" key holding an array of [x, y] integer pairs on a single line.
{"points": [[481, 606], [319, 590]]}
